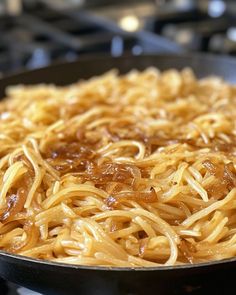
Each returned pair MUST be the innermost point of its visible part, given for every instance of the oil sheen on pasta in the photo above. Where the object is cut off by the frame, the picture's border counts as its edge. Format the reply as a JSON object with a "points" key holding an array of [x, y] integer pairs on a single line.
{"points": [[129, 171]]}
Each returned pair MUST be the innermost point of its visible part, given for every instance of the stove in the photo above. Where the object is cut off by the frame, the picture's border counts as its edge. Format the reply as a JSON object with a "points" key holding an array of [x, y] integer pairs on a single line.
{"points": [[46, 31], [45, 34], [51, 31]]}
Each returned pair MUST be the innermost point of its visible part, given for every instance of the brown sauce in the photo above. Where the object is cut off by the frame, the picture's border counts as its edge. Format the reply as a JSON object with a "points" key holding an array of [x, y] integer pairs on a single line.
{"points": [[15, 204], [226, 178]]}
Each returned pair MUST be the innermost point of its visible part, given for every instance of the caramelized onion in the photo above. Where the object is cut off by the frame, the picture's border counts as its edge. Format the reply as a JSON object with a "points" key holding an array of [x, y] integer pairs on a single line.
{"points": [[15, 203], [73, 150], [187, 250], [70, 157], [146, 197], [32, 235], [142, 246], [226, 176], [112, 172]]}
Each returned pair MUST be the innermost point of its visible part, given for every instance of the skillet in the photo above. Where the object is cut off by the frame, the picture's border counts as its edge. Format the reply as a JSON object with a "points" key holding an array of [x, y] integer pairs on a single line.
{"points": [[57, 278]]}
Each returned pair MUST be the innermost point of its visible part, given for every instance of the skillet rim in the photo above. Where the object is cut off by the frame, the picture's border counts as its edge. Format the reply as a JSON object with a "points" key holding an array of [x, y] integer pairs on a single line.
{"points": [[101, 56], [4, 255]]}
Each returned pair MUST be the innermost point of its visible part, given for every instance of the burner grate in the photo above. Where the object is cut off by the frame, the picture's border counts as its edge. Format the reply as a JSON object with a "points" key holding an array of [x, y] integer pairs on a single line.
{"points": [[44, 35]]}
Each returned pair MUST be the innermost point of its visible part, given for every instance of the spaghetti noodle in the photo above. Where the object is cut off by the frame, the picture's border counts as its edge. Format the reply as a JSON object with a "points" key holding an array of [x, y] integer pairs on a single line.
{"points": [[130, 171]]}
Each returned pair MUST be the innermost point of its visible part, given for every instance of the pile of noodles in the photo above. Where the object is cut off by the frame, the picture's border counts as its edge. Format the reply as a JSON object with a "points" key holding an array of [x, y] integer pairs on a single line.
{"points": [[134, 170]]}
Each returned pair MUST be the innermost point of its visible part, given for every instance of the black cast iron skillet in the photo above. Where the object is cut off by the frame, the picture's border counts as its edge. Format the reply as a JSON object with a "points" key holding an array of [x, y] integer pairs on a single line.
{"points": [[54, 278]]}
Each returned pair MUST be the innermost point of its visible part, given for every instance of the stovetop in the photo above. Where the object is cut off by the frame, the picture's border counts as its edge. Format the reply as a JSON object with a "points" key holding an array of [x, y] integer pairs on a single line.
{"points": [[46, 31], [44, 34], [57, 30]]}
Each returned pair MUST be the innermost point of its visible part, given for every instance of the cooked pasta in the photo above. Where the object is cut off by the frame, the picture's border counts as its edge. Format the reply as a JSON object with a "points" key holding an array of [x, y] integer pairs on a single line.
{"points": [[134, 170]]}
